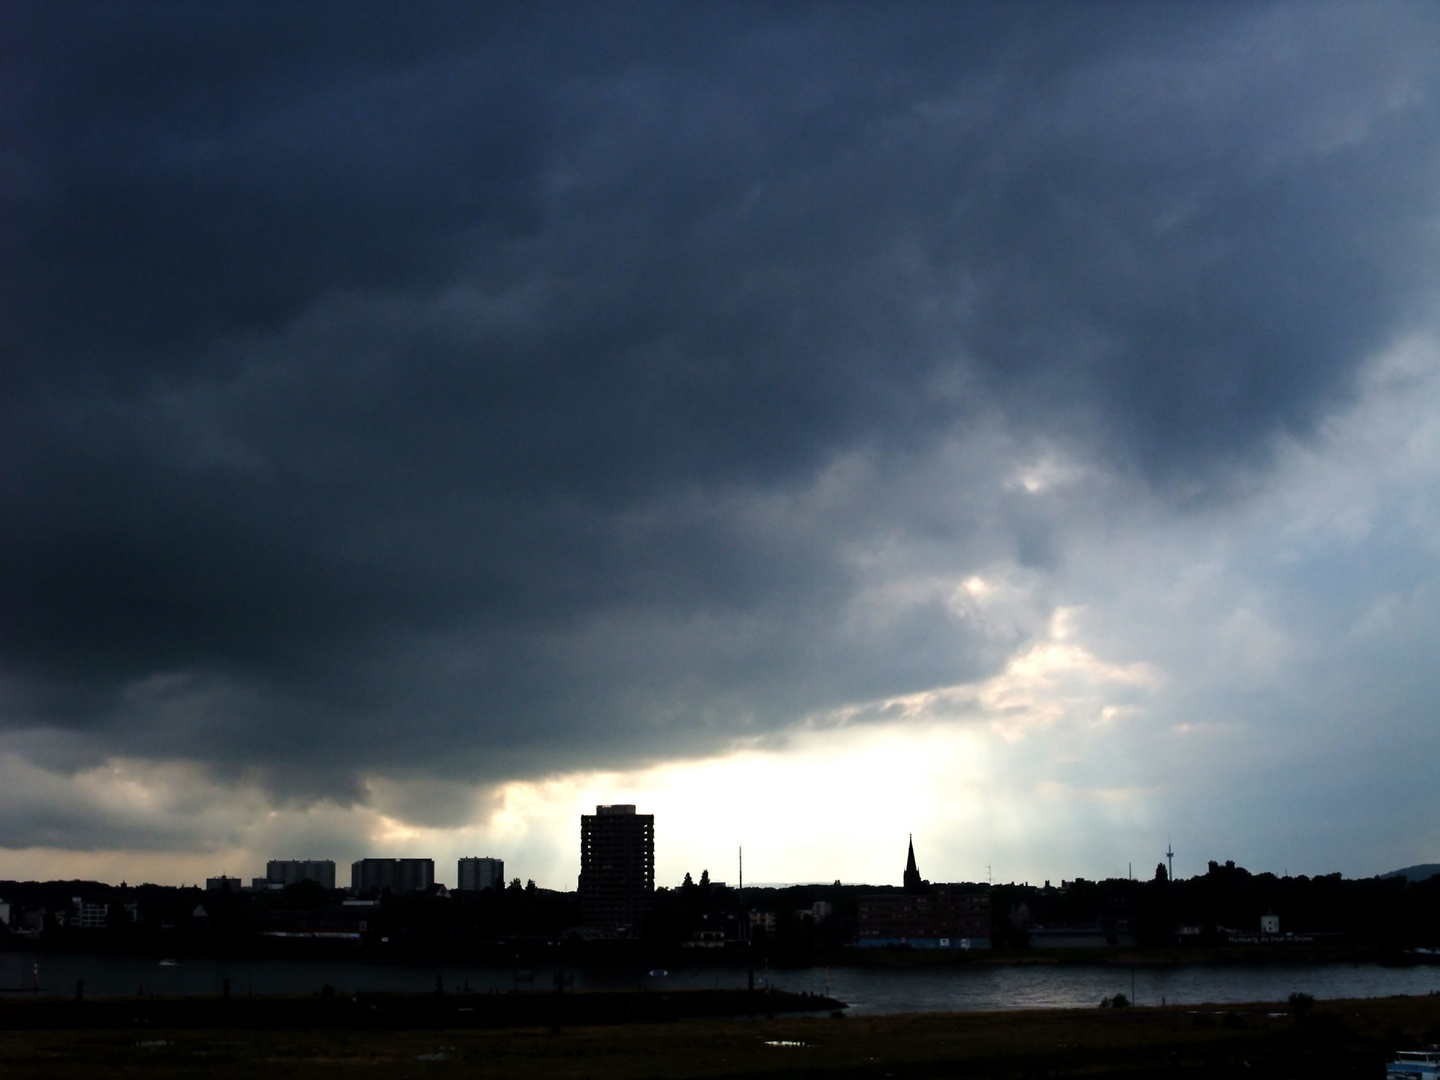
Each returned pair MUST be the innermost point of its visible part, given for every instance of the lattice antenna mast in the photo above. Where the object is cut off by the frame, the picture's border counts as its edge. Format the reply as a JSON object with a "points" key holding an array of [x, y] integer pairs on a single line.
{"points": [[744, 919]]}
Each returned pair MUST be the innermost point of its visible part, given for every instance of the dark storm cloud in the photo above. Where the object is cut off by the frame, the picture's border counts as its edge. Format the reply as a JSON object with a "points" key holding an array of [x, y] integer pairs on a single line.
{"points": [[453, 390]]}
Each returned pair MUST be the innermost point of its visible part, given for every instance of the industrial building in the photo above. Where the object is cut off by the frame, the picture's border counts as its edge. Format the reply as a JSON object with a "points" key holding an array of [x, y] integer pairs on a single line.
{"points": [[617, 869], [475, 874]]}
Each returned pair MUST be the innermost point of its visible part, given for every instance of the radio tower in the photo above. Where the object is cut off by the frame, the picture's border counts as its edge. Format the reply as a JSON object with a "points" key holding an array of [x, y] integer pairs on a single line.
{"points": [[1170, 858]]}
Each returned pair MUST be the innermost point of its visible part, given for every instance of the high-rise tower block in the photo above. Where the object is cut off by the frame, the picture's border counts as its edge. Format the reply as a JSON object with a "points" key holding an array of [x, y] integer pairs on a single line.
{"points": [[617, 868]]}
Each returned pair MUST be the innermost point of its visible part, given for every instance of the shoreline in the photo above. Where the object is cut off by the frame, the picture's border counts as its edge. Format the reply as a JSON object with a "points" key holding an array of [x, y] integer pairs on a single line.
{"points": [[370, 1011], [890, 959]]}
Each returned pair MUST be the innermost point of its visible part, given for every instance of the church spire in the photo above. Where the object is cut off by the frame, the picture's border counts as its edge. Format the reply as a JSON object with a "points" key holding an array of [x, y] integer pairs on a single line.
{"points": [[912, 874]]}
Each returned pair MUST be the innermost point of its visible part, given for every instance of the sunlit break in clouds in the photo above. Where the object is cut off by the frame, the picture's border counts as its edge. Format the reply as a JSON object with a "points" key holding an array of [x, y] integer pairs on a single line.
{"points": [[1014, 425]]}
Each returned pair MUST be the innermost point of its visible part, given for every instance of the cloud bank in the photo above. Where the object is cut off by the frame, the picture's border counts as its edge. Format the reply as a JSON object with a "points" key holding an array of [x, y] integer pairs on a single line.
{"points": [[400, 407]]}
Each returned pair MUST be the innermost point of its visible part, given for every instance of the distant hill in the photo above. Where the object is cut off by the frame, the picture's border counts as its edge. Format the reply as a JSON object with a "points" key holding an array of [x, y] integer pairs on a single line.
{"points": [[1416, 873]]}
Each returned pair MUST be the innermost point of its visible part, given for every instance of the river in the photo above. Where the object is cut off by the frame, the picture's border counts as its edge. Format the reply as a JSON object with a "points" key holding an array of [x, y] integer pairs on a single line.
{"points": [[867, 990]]}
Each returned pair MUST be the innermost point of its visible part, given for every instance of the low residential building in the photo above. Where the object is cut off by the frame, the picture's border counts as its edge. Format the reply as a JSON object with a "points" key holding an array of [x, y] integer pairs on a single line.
{"points": [[349, 921], [89, 916], [817, 912]]}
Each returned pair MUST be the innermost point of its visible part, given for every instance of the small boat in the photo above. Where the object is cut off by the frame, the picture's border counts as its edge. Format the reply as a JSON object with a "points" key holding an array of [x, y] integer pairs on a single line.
{"points": [[1414, 1065]]}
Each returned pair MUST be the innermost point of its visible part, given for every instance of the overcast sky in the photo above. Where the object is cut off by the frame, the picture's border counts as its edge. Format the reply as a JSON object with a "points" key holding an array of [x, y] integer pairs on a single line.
{"points": [[1015, 425]]}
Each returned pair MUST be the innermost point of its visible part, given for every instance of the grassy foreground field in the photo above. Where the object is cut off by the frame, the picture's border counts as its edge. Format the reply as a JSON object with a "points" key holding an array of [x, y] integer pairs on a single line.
{"points": [[1340, 1038]]}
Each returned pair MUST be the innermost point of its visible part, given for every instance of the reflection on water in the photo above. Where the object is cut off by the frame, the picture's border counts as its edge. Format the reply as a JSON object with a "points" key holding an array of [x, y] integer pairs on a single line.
{"points": [[867, 990], [1049, 987]]}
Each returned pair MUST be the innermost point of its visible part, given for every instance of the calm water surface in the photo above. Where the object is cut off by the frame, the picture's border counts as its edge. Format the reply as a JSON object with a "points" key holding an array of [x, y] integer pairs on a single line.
{"points": [[867, 990]]}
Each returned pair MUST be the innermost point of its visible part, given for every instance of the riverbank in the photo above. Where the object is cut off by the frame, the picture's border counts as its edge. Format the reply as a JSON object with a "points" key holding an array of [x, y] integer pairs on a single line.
{"points": [[624, 955], [1119, 956], [1337, 1038], [399, 1012]]}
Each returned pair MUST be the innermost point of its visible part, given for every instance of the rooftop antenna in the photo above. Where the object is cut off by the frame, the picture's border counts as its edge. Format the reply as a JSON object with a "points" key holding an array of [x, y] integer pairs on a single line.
{"points": [[1170, 858]]}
